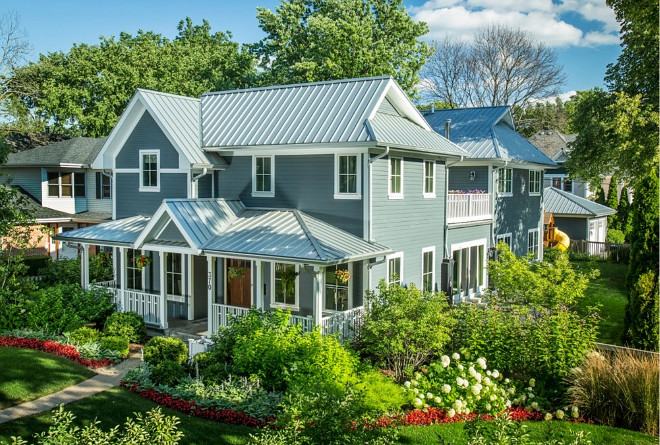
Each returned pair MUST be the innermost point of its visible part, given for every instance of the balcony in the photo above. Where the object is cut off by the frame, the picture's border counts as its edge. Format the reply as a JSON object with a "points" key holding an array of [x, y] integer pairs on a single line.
{"points": [[466, 207]]}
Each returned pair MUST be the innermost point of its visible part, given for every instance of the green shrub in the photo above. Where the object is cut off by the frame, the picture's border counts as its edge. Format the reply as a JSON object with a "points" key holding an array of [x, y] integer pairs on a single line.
{"points": [[94, 351], [160, 349], [210, 369], [65, 271], [380, 393], [35, 263], [84, 335], [167, 372], [14, 306], [642, 312], [615, 236], [403, 328], [129, 325], [115, 343], [100, 267]]}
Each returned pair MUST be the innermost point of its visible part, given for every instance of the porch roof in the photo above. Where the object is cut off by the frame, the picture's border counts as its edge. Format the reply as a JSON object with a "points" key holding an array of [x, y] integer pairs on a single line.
{"points": [[560, 202], [121, 232]]}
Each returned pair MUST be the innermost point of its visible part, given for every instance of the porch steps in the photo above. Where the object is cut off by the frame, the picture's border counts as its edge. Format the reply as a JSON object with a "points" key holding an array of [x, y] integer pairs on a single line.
{"points": [[183, 329]]}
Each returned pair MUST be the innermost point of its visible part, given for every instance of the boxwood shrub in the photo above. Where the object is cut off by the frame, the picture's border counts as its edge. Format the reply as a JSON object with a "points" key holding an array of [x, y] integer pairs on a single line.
{"points": [[84, 335], [115, 343], [162, 349], [129, 325]]}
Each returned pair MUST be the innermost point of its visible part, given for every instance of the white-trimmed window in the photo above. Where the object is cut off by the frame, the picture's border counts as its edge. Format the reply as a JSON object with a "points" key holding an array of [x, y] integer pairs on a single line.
{"points": [[428, 269], [65, 185], [174, 273], [504, 238], [395, 268], [347, 177], [149, 171], [429, 179], [534, 182], [337, 293], [533, 241], [285, 285], [263, 176], [395, 178], [103, 186], [469, 267], [505, 182], [133, 274]]}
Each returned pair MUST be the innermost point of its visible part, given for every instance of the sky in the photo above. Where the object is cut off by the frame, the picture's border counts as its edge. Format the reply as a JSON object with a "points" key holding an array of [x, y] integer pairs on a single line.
{"points": [[583, 32]]}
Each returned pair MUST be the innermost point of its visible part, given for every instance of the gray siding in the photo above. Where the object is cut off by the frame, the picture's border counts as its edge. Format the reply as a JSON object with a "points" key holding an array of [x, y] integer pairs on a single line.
{"points": [[456, 235], [200, 290], [518, 213], [28, 178], [575, 228], [205, 186], [93, 204], [131, 202], [410, 224], [171, 233], [147, 135], [459, 178], [304, 182]]}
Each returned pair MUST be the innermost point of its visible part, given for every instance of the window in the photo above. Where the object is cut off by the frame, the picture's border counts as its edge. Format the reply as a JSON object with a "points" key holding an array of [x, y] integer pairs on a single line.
{"points": [[556, 183], [263, 176], [336, 291], [103, 186], [568, 185], [395, 268], [53, 184], [534, 182], [428, 269], [66, 185], [150, 167], [469, 268], [505, 238], [286, 284], [395, 189], [174, 273], [79, 185], [562, 183], [429, 179], [133, 274], [505, 181], [347, 177], [533, 241]]}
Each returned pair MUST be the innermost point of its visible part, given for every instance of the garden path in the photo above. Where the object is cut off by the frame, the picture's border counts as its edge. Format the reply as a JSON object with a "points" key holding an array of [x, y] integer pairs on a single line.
{"points": [[106, 378]]}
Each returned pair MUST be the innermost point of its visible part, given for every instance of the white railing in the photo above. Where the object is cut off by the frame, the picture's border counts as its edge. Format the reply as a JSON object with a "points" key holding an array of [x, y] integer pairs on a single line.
{"points": [[307, 323], [220, 314], [147, 305], [112, 287], [345, 323], [111, 284], [463, 207]]}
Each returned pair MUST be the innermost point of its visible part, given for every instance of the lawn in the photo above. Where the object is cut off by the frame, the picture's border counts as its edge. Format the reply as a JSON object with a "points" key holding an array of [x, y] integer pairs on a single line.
{"points": [[608, 291], [114, 405], [26, 374]]}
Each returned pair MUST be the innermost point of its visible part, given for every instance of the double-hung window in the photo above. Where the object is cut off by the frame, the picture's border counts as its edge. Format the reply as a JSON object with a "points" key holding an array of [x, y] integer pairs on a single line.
{"points": [[133, 274], [534, 182], [395, 189], [263, 176], [347, 177], [428, 269], [395, 268], [285, 284], [504, 238], [336, 288], [149, 171], [505, 182], [174, 273], [103, 186], [533, 241], [66, 185], [429, 179]]}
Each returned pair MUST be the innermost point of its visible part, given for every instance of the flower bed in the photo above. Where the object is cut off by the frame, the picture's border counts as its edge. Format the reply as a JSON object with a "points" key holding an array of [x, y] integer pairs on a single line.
{"points": [[191, 408], [52, 347]]}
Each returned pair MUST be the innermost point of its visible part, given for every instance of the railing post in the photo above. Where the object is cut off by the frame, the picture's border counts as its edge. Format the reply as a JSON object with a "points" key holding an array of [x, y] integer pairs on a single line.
{"points": [[318, 295], [123, 278]]}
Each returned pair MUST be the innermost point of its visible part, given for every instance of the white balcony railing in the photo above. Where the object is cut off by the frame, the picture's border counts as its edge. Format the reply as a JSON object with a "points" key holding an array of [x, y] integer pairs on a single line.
{"points": [[465, 207]]}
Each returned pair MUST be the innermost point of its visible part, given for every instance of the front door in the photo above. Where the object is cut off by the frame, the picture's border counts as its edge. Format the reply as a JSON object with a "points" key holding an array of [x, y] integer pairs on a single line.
{"points": [[239, 282]]}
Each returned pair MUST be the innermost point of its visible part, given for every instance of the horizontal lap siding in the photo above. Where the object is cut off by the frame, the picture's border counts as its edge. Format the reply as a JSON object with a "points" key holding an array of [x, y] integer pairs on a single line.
{"points": [[575, 228], [459, 178], [28, 178], [93, 204], [147, 135], [465, 234], [131, 202]]}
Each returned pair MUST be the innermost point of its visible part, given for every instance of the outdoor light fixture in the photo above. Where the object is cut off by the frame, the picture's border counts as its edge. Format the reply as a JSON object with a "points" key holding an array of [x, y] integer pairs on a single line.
{"points": [[473, 175]]}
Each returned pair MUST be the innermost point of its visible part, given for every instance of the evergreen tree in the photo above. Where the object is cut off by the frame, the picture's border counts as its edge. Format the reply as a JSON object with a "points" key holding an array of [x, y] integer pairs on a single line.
{"points": [[600, 195], [624, 215], [613, 203], [641, 321]]}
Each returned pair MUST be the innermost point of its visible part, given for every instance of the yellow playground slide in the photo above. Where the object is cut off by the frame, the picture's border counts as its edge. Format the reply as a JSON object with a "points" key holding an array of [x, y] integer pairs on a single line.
{"points": [[561, 241]]}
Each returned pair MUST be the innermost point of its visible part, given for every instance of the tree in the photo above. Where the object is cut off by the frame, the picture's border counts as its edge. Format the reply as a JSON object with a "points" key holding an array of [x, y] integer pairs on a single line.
{"points": [[85, 90], [641, 320], [613, 203], [13, 50], [600, 195], [624, 214], [534, 117], [502, 66], [311, 40]]}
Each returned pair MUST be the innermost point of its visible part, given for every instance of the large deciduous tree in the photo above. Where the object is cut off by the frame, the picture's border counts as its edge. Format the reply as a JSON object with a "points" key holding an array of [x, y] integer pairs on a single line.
{"points": [[85, 90], [312, 40], [502, 66], [14, 48]]}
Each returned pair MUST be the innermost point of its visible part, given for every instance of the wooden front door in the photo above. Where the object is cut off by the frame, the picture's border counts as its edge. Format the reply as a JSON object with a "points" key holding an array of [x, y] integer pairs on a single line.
{"points": [[238, 275]]}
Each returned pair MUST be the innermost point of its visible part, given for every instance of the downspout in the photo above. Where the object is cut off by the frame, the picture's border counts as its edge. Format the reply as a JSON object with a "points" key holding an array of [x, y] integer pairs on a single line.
{"points": [[194, 179], [371, 161]]}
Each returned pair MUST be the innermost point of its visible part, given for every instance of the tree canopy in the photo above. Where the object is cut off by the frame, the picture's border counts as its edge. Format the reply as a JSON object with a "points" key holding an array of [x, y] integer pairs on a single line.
{"points": [[312, 40], [534, 117]]}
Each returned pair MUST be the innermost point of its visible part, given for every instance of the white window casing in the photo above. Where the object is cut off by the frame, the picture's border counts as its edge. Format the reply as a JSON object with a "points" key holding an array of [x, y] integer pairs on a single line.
{"points": [[534, 183], [149, 173], [295, 304], [505, 182], [263, 176], [395, 178], [429, 182], [348, 176], [395, 268], [428, 269]]}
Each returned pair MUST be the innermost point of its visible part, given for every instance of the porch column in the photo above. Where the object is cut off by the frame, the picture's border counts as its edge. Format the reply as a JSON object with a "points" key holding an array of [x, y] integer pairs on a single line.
{"points": [[163, 292], [210, 296], [318, 295], [190, 272], [259, 285], [123, 282], [84, 266]]}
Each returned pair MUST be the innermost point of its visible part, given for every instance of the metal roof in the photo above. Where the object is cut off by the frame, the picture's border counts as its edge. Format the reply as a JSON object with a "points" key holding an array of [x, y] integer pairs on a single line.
{"points": [[487, 133], [121, 232], [77, 151], [560, 202]]}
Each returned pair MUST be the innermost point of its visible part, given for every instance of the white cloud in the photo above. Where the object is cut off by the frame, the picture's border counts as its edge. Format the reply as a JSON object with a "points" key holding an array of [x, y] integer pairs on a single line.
{"points": [[565, 97]]}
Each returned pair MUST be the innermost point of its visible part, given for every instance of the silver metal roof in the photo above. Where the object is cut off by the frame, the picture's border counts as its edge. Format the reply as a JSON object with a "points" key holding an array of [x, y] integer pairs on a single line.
{"points": [[560, 202], [121, 232]]}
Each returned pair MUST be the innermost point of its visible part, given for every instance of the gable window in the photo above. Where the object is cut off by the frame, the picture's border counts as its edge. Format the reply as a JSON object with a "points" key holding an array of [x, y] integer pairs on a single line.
{"points": [[429, 179], [149, 171], [336, 291], [133, 274], [395, 268], [505, 181], [66, 185], [263, 176], [533, 241], [534, 182], [347, 177], [395, 190], [285, 284], [103, 186], [174, 273], [428, 269], [504, 238]]}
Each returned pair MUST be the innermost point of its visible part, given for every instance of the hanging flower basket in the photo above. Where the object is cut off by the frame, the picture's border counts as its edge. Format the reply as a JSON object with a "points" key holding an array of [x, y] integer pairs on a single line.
{"points": [[235, 272], [342, 276], [288, 278], [142, 261]]}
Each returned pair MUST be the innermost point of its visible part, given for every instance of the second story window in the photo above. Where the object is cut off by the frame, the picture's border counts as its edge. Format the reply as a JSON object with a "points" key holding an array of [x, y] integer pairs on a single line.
{"points": [[395, 190], [395, 268], [66, 185], [534, 182], [79, 185], [347, 177], [103, 186], [149, 171], [429, 179], [505, 182], [263, 176]]}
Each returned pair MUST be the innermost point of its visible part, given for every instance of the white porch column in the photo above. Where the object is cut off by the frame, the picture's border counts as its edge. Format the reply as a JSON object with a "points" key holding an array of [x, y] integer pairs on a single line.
{"points": [[318, 295], [162, 308], [84, 266], [123, 282], [259, 284], [190, 271], [210, 277]]}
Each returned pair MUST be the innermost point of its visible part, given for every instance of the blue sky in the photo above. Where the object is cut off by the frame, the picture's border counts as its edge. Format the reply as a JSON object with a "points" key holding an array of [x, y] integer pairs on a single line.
{"points": [[583, 32]]}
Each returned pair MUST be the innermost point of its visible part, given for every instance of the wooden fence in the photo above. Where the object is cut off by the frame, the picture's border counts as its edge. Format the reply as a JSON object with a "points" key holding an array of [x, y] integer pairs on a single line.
{"points": [[604, 347], [611, 251]]}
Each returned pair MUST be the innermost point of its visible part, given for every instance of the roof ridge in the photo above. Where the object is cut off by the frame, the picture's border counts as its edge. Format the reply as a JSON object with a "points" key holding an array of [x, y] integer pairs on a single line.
{"points": [[440, 110], [171, 95], [309, 235]]}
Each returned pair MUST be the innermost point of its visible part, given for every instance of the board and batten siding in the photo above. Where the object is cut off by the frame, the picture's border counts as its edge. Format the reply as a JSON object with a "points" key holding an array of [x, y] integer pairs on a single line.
{"points": [[459, 178], [519, 213], [302, 182], [410, 224], [147, 135], [132, 202], [27, 178]]}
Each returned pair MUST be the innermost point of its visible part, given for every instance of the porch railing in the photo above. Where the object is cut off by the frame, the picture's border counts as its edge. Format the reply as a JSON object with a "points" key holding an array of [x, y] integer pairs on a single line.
{"points": [[307, 323], [220, 314], [464, 207], [345, 323], [112, 287], [147, 305]]}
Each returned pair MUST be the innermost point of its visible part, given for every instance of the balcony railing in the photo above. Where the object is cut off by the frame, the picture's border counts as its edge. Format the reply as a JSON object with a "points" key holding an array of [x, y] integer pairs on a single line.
{"points": [[465, 207]]}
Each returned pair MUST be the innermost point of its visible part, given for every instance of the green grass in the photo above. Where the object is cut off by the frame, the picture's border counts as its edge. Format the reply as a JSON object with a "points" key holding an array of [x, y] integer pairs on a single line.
{"points": [[608, 291], [26, 374]]}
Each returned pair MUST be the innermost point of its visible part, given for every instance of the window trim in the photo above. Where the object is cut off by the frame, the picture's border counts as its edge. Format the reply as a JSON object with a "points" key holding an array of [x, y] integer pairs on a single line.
{"points": [[424, 251], [387, 267], [426, 194], [537, 246], [73, 184], [358, 178], [273, 303], [390, 193], [348, 286], [141, 272], [263, 194], [100, 177], [501, 237], [509, 182], [149, 188], [484, 265], [534, 181], [169, 260]]}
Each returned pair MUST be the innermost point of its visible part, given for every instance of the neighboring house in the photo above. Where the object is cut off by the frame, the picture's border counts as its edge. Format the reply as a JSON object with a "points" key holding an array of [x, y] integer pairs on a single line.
{"points": [[290, 187], [494, 193], [64, 192]]}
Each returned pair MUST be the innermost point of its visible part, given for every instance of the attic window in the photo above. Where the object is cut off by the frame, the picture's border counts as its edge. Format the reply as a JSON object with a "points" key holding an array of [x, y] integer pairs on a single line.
{"points": [[149, 171]]}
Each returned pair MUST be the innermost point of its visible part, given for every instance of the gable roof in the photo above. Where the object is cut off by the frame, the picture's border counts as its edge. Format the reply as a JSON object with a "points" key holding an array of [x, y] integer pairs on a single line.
{"points": [[560, 202], [76, 152], [330, 112], [553, 143], [487, 133]]}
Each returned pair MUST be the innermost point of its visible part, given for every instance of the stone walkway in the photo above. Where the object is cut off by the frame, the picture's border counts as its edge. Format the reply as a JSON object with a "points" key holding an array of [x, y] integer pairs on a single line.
{"points": [[105, 379]]}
